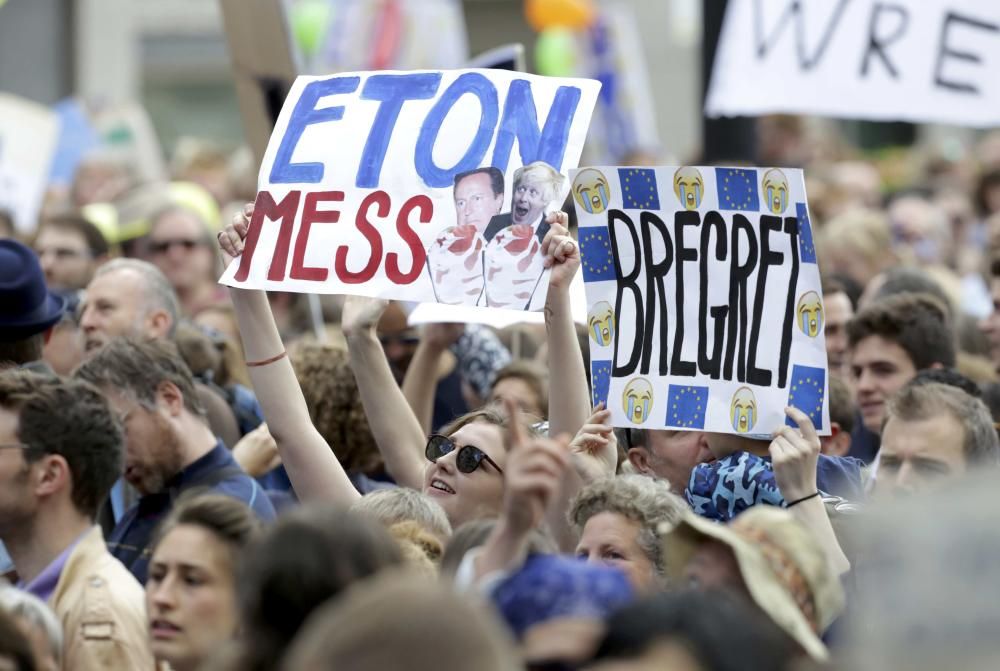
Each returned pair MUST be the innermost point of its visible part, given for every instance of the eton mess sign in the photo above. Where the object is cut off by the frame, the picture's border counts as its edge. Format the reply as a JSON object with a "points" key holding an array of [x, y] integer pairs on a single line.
{"points": [[418, 186]]}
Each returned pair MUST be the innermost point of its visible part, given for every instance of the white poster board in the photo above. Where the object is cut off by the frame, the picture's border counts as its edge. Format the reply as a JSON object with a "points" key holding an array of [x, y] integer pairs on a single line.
{"points": [[28, 136], [425, 186], [909, 60], [704, 303]]}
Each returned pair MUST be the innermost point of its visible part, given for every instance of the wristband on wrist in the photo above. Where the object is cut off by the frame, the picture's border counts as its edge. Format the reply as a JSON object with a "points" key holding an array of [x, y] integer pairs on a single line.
{"points": [[804, 498], [264, 362]]}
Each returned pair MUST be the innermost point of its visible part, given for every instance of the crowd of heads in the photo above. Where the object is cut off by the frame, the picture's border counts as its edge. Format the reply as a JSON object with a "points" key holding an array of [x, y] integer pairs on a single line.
{"points": [[136, 475]]}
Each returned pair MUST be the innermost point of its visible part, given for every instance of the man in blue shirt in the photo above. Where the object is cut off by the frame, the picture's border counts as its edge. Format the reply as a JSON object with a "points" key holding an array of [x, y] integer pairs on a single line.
{"points": [[169, 447]]}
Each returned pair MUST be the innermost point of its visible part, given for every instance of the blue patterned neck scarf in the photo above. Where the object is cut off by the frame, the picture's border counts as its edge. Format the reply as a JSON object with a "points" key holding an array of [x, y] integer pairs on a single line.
{"points": [[723, 489]]}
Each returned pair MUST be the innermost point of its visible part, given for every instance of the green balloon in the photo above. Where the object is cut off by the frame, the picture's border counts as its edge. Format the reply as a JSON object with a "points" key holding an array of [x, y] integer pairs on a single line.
{"points": [[555, 52], [309, 20]]}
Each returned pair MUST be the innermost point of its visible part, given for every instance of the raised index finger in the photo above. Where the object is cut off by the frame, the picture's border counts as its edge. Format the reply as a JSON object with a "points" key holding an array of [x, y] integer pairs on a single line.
{"points": [[806, 427], [516, 435]]}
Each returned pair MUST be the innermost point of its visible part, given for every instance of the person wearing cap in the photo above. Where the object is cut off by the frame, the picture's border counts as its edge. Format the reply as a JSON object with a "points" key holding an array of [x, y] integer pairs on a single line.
{"points": [[28, 315], [767, 556], [712, 491], [28, 310], [62, 452], [789, 478]]}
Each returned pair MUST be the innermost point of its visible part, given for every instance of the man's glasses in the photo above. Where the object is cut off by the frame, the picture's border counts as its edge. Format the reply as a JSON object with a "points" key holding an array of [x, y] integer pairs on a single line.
{"points": [[467, 459], [163, 246]]}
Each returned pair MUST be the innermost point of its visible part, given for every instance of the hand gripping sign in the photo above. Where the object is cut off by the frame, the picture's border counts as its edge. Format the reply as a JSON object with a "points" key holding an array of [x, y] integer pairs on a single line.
{"points": [[704, 304], [419, 186]]}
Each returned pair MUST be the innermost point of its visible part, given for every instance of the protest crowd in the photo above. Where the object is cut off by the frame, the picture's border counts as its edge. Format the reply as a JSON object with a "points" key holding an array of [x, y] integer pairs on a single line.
{"points": [[196, 474]]}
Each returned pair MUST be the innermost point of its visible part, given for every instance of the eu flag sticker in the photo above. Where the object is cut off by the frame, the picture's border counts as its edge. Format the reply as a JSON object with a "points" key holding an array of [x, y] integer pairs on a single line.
{"points": [[737, 189], [806, 393], [639, 189], [807, 250], [595, 254], [600, 381], [686, 406]]}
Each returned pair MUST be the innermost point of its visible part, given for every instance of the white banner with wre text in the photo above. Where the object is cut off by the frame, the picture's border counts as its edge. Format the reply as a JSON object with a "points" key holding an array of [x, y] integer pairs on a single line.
{"points": [[934, 61]]}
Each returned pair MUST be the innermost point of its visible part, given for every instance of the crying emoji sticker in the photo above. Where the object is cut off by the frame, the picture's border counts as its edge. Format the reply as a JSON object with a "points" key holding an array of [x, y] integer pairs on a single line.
{"points": [[743, 410], [775, 187], [810, 314], [637, 400], [602, 323], [591, 191], [689, 187]]}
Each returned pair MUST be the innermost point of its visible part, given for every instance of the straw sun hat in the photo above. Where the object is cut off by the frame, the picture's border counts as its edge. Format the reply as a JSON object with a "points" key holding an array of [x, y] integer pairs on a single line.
{"points": [[784, 568]]}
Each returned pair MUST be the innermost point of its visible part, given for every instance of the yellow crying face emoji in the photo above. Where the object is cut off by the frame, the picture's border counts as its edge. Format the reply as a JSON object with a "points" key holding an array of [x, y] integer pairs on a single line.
{"points": [[591, 191], [602, 323], [775, 188], [743, 410], [810, 314], [637, 401], [689, 187]]}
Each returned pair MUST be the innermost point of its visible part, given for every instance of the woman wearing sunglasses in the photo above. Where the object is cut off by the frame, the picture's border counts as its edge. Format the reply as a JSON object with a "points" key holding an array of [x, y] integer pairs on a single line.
{"points": [[462, 469]]}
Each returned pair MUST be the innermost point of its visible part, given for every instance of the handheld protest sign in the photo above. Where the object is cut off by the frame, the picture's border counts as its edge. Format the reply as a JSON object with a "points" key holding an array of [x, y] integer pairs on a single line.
{"points": [[28, 136], [925, 61], [428, 186], [705, 309], [264, 63]]}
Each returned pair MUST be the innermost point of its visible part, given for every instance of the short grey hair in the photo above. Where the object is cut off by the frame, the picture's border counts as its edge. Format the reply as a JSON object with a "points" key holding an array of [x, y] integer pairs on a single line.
{"points": [[636, 497], [156, 290], [399, 504], [980, 443], [36, 612]]}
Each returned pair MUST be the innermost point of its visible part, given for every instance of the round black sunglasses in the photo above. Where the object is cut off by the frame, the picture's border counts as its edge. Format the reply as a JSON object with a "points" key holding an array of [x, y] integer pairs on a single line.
{"points": [[468, 458]]}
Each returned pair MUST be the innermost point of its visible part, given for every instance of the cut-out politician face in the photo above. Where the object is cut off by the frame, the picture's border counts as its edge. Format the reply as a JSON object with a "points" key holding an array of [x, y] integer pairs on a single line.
{"points": [[476, 198]]}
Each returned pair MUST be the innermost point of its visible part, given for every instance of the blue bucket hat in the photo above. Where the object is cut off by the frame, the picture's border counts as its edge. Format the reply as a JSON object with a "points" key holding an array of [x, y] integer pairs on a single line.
{"points": [[550, 586], [27, 306]]}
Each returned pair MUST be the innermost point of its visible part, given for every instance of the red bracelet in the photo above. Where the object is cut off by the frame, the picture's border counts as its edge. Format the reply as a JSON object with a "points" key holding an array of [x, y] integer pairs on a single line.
{"points": [[264, 362]]}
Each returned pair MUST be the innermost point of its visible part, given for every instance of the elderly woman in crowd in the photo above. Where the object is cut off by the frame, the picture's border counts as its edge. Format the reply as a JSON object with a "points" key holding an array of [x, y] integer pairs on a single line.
{"points": [[618, 518]]}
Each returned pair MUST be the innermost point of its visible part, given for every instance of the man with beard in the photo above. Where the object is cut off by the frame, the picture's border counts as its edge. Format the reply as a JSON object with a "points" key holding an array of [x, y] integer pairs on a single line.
{"points": [[60, 452], [169, 447], [129, 297]]}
